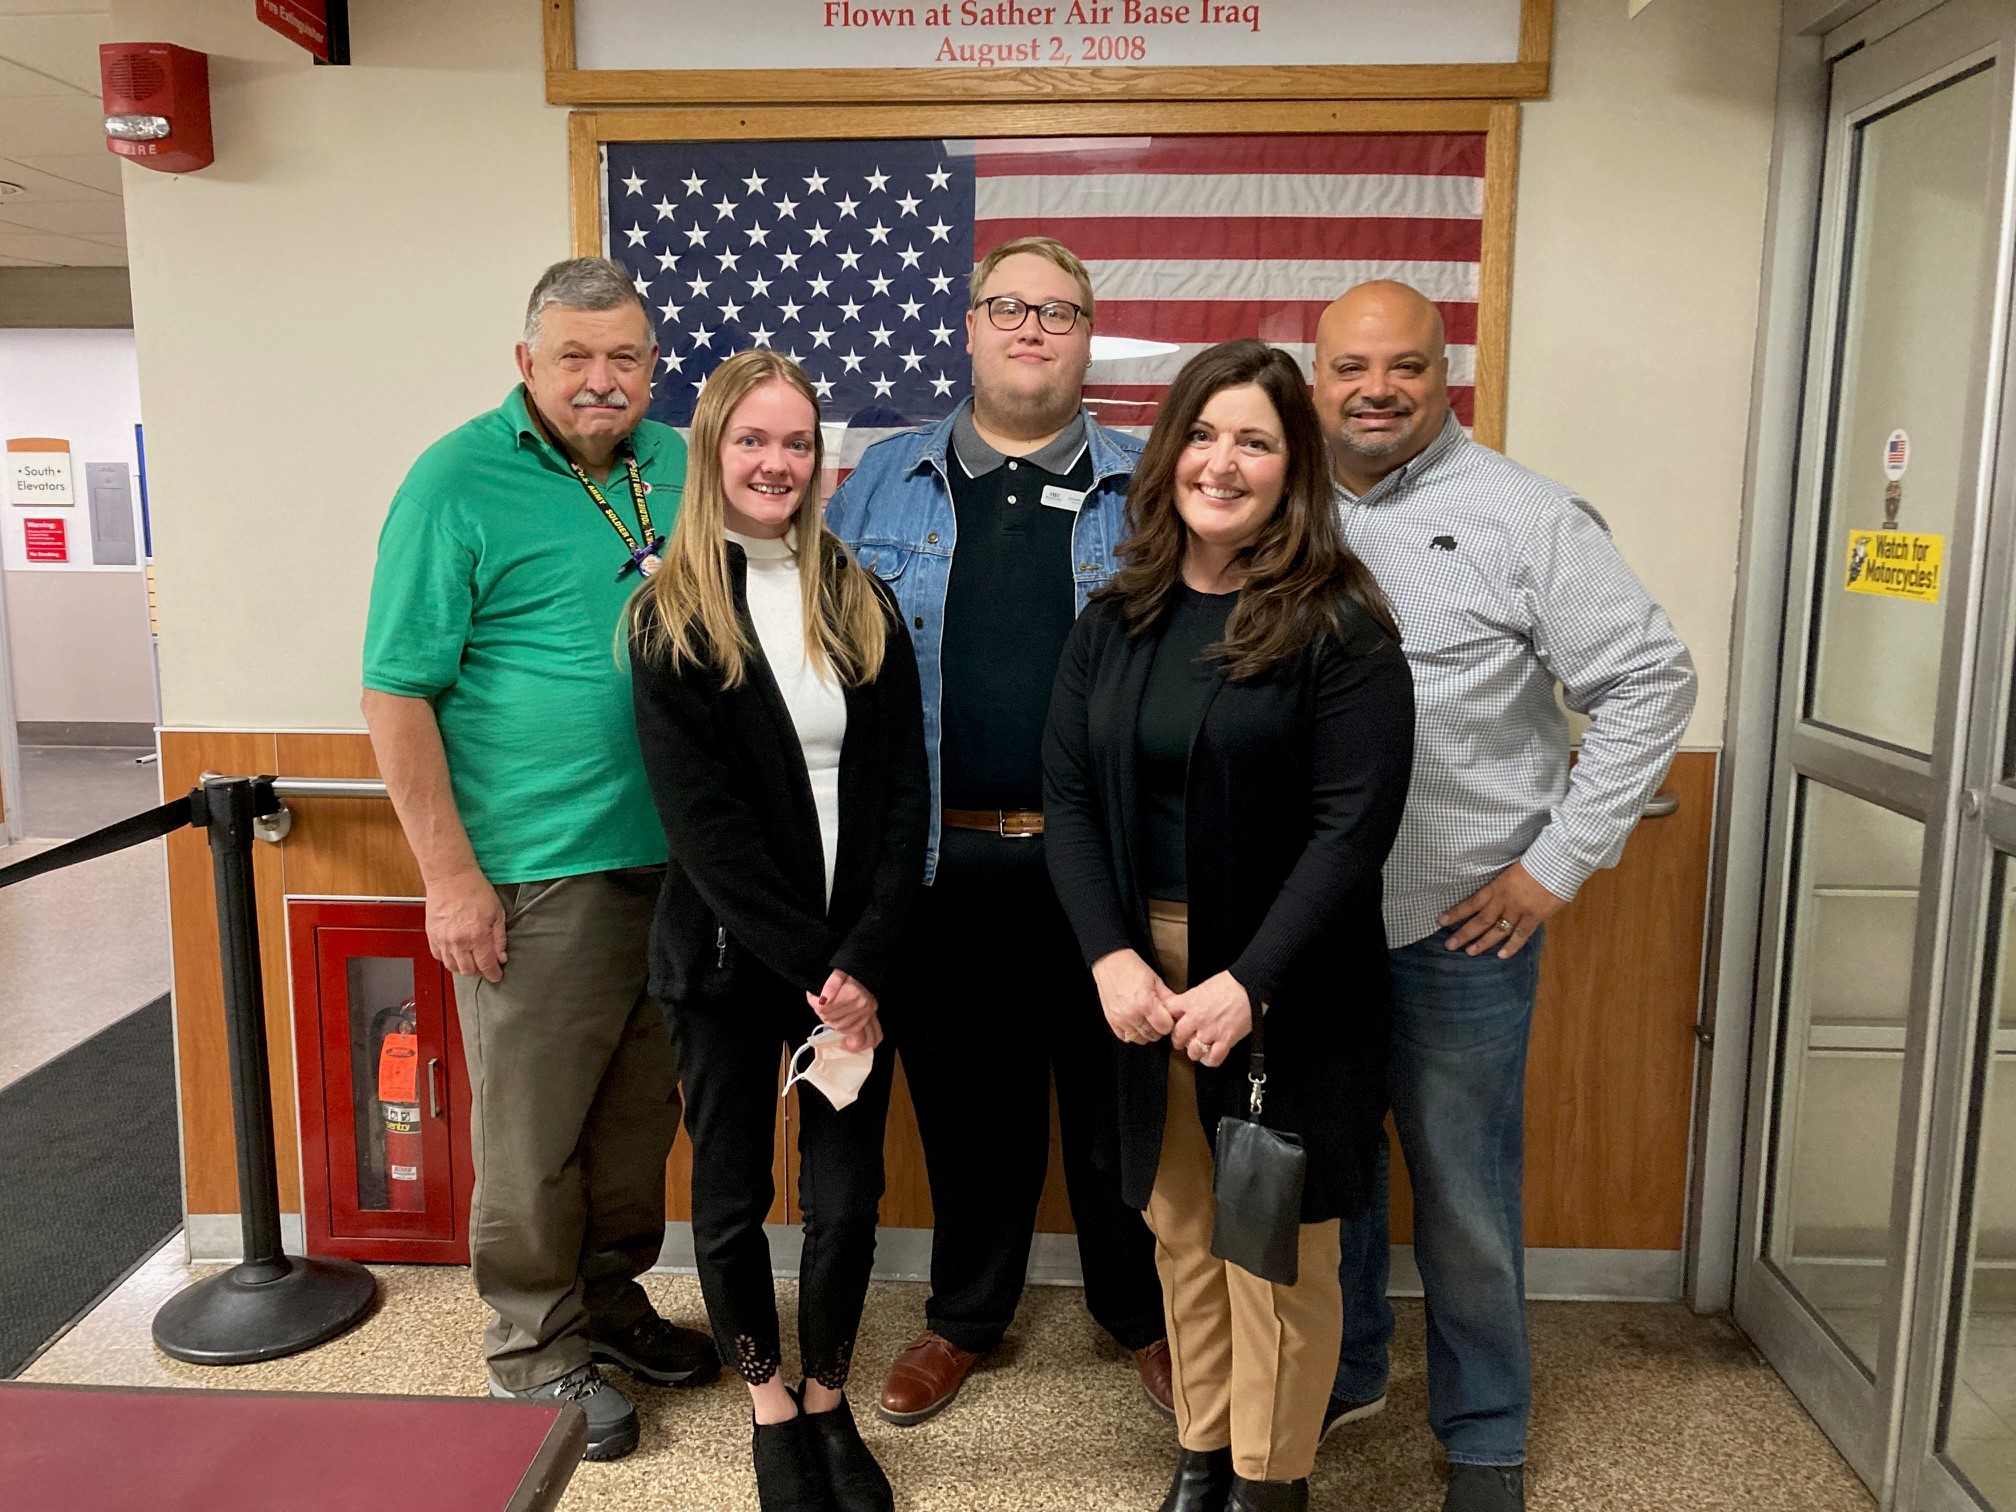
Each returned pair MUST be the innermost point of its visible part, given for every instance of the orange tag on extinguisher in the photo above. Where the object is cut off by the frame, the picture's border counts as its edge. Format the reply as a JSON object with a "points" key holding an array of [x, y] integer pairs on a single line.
{"points": [[398, 1065]]}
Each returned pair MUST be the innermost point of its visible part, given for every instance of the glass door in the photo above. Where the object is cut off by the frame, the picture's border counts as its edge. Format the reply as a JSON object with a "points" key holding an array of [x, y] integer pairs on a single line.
{"points": [[1893, 501]]}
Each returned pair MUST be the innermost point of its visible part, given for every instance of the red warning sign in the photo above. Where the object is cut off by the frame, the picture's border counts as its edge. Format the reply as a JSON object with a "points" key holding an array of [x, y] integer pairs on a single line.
{"points": [[47, 540]]}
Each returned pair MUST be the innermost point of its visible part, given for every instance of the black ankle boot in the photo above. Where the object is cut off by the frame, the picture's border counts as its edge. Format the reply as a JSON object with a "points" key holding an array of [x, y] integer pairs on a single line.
{"points": [[1268, 1496], [788, 1477], [853, 1479], [1203, 1481]]}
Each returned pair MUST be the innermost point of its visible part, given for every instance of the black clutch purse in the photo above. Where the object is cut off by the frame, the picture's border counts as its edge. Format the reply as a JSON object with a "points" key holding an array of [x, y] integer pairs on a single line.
{"points": [[1258, 1186]]}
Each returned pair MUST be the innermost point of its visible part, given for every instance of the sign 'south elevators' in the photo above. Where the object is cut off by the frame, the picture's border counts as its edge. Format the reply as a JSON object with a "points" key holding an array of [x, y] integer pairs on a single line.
{"points": [[38, 473]]}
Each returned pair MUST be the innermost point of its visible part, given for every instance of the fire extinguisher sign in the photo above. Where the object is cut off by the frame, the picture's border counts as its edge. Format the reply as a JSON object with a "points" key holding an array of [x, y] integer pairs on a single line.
{"points": [[398, 1068], [398, 1086]]}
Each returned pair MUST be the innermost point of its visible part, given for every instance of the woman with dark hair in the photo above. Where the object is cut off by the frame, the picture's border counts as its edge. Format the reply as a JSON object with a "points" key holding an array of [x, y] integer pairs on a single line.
{"points": [[1225, 766], [777, 709]]}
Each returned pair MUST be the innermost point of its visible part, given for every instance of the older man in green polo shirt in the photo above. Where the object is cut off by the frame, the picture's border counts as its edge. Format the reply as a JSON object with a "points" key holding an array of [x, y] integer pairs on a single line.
{"points": [[501, 720]]}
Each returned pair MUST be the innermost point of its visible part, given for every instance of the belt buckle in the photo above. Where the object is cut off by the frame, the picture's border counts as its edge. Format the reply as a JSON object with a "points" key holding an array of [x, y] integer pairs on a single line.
{"points": [[1001, 828]]}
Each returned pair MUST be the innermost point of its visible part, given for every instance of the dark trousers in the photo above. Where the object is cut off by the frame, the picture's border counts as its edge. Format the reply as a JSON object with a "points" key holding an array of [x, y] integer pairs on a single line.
{"points": [[1000, 1001], [574, 1102], [728, 1059]]}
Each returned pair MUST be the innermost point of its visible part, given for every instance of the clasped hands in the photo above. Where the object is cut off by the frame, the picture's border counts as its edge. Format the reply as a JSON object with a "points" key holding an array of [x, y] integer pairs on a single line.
{"points": [[844, 1004], [1203, 1023]]}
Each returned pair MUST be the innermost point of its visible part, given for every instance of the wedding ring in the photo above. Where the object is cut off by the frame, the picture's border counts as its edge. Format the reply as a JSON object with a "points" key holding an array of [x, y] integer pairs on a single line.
{"points": [[1504, 924]]}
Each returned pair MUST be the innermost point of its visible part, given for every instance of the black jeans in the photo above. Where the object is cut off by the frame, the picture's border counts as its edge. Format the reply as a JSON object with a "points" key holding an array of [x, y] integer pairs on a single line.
{"points": [[1000, 1001], [728, 1060]]}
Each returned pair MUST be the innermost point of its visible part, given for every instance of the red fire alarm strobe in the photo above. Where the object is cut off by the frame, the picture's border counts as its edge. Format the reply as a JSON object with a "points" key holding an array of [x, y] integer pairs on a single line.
{"points": [[157, 105]]}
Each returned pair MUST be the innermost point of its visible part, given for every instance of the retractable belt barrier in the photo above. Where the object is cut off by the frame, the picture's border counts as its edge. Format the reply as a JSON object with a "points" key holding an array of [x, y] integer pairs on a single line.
{"points": [[136, 830], [270, 1304]]}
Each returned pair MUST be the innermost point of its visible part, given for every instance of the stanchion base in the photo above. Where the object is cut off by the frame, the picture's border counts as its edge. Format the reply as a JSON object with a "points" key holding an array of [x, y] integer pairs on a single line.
{"points": [[237, 1318]]}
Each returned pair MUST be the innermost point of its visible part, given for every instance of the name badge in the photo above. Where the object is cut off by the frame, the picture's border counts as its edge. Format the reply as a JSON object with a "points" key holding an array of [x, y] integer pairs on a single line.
{"points": [[1061, 498]]}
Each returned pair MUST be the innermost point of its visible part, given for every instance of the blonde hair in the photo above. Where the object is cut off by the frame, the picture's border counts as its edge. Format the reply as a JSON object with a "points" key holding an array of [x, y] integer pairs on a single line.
{"points": [[685, 612], [1035, 246]]}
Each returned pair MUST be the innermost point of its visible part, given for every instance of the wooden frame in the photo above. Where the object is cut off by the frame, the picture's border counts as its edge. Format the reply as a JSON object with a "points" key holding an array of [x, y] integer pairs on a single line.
{"points": [[589, 130], [1525, 79]]}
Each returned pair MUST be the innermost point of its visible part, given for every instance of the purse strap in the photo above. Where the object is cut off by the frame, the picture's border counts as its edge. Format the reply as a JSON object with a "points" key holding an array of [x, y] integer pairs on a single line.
{"points": [[1256, 1065]]}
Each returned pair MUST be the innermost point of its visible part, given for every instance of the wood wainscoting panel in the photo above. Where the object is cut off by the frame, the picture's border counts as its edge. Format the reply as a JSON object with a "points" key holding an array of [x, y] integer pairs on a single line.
{"points": [[906, 1189], [209, 1143], [1608, 1088], [342, 847], [1610, 1075]]}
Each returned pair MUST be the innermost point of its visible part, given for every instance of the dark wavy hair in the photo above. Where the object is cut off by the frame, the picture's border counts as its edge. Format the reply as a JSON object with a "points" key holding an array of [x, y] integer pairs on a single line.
{"points": [[1299, 569]]}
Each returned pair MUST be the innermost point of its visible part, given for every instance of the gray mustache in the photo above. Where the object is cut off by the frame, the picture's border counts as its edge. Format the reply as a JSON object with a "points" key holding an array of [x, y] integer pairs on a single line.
{"points": [[614, 399]]}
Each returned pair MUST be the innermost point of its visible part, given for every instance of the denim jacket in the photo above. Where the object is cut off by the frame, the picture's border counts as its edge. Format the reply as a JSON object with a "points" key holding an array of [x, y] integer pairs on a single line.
{"points": [[895, 512]]}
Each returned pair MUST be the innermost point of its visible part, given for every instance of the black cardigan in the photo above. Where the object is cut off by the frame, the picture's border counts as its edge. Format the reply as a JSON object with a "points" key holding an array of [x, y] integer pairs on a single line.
{"points": [[1296, 786], [745, 892]]}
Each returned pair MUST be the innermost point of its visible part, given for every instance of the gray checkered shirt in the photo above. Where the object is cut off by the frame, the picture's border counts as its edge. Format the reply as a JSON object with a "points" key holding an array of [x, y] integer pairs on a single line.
{"points": [[1506, 583]]}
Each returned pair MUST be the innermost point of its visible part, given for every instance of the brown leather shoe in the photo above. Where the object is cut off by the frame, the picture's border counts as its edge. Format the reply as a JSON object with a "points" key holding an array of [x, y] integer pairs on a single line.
{"points": [[1153, 1363], [923, 1379]]}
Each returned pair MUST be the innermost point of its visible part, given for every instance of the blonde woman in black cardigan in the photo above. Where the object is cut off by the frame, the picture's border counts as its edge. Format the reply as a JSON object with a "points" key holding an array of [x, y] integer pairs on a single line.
{"points": [[778, 712], [1224, 771]]}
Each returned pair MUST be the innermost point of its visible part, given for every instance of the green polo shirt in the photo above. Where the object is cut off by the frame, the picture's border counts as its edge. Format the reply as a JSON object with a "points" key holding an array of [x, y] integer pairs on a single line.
{"points": [[496, 598]]}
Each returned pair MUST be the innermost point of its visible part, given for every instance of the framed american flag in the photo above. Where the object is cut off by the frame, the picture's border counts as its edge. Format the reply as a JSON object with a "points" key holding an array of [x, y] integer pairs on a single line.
{"points": [[845, 238]]}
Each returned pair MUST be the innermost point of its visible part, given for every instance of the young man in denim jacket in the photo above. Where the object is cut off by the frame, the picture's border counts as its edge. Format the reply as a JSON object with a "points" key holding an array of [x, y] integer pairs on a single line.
{"points": [[1031, 489]]}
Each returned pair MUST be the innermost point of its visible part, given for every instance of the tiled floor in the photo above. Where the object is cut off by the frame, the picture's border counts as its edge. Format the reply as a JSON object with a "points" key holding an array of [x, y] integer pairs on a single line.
{"points": [[68, 791], [79, 949], [1981, 1433], [82, 947], [1638, 1409]]}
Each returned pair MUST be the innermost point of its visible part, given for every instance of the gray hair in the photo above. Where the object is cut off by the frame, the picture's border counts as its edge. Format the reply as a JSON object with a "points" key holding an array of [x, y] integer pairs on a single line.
{"points": [[585, 283]]}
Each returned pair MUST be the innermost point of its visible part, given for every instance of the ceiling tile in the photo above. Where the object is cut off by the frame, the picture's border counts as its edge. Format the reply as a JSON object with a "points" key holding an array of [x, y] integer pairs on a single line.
{"points": [[99, 217], [72, 124], [18, 83], [98, 170], [45, 188], [62, 46], [67, 251]]}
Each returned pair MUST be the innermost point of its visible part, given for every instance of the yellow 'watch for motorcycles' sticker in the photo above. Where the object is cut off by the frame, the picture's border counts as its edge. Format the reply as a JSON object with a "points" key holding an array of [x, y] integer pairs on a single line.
{"points": [[1895, 564]]}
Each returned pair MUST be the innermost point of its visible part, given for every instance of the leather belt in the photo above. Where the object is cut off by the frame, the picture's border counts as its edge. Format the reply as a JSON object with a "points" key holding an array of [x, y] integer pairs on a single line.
{"points": [[1010, 824]]}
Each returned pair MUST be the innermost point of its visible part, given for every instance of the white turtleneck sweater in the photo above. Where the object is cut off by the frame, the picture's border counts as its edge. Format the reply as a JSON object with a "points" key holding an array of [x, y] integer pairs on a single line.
{"points": [[814, 697]]}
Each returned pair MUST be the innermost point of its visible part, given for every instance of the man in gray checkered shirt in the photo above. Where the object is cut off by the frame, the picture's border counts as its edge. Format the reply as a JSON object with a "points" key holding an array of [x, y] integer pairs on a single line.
{"points": [[1506, 585]]}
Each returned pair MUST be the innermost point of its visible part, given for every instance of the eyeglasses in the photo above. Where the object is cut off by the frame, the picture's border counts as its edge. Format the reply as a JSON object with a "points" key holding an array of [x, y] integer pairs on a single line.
{"points": [[1057, 316]]}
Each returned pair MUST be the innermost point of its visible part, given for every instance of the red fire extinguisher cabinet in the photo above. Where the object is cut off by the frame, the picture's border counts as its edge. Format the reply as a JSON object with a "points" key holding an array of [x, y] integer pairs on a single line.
{"points": [[384, 1095]]}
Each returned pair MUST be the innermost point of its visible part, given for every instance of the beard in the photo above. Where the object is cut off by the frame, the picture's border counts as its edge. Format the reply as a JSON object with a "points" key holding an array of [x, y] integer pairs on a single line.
{"points": [[1372, 448]]}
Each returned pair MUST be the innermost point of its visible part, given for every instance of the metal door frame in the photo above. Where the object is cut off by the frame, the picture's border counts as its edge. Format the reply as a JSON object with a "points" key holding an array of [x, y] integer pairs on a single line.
{"points": [[1987, 835], [10, 731], [1861, 1414]]}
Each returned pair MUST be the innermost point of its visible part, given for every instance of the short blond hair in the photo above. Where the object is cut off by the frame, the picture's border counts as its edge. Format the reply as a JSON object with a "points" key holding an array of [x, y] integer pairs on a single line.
{"points": [[1035, 246]]}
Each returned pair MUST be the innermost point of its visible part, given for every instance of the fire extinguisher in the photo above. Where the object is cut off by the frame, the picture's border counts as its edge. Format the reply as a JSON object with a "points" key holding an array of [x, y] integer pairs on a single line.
{"points": [[399, 1105]]}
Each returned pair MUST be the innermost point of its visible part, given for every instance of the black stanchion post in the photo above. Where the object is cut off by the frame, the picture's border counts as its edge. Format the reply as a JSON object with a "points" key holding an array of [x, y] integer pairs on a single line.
{"points": [[271, 1304]]}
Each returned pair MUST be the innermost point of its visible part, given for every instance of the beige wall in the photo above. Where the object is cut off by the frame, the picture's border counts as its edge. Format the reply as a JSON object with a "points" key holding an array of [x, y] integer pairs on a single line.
{"points": [[82, 652], [1635, 285], [343, 285], [77, 635]]}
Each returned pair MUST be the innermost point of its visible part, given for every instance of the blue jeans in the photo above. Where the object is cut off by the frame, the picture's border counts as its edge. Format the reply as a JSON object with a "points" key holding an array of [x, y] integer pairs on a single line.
{"points": [[1460, 1025]]}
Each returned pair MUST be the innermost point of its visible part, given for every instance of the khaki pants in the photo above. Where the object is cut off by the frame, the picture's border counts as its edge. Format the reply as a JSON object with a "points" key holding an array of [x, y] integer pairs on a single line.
{"points": [[574, 1098], [1252, 1361]]}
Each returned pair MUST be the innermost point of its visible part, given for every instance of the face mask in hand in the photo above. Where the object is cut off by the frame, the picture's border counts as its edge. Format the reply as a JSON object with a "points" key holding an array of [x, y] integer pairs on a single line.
{"points": [[830, 1066]]}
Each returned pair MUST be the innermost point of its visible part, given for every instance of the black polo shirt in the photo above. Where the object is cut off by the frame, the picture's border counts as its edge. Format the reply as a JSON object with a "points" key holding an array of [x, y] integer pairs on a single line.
{"points": [[1008, 610]]}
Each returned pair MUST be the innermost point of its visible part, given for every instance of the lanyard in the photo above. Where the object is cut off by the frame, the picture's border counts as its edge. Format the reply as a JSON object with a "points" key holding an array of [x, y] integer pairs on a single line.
{"points": [[644, 558]]}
